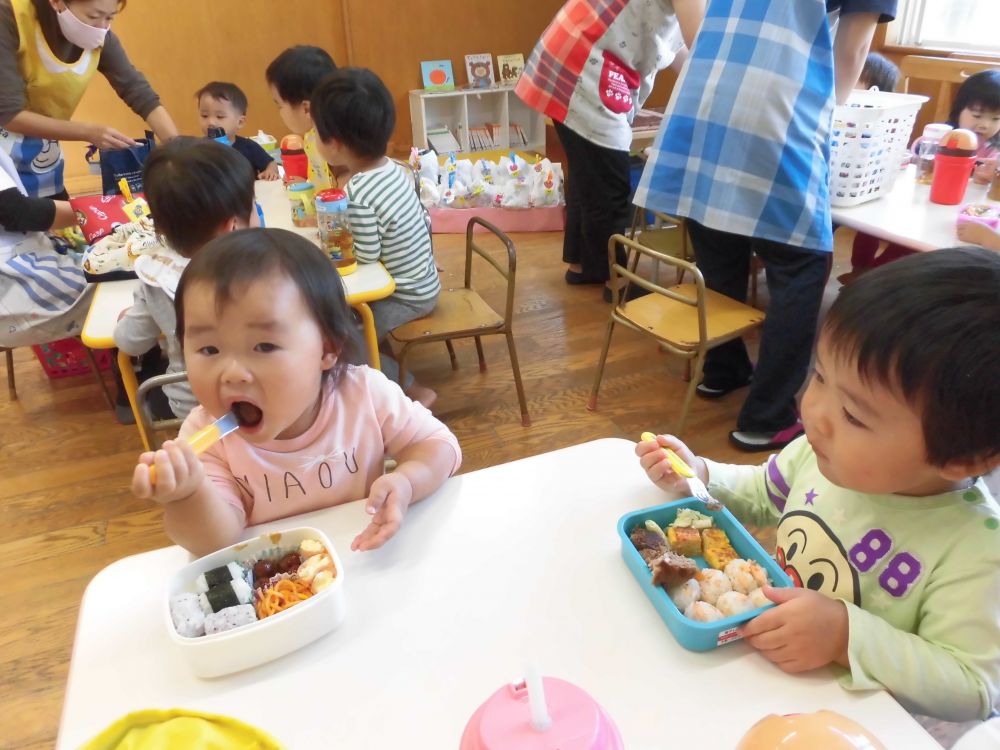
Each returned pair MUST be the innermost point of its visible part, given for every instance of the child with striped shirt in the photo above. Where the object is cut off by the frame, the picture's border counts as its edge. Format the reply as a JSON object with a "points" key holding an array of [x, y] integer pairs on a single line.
{"points": [[355, 116]]}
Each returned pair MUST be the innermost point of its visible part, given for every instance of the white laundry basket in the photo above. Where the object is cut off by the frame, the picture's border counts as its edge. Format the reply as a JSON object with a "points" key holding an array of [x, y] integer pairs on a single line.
{"points": [[869, 144]]}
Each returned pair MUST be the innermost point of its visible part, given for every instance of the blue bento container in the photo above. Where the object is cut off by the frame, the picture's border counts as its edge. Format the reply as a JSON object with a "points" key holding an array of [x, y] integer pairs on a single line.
{"points": [[693, 635]]}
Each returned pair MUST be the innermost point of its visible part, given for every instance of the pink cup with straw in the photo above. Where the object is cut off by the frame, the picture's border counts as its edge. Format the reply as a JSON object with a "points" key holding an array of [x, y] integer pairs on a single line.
{"points": [[541, 714]]}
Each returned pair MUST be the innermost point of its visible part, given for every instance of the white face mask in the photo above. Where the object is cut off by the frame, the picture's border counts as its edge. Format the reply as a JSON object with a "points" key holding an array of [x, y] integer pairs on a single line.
{"points": [[81, 34]]}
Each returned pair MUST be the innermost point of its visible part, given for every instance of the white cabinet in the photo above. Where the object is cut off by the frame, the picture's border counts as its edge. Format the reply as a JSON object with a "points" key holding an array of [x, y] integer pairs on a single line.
{"points": [[465, 113]]}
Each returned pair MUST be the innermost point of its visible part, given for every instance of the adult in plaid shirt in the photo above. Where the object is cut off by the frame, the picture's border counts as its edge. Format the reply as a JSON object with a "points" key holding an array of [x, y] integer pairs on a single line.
{"points": [[590, 72], [744, 155]]}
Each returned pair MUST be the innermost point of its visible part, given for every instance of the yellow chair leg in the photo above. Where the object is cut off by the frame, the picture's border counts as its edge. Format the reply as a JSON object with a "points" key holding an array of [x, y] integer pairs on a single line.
{"points": [[131, 384], [371, 338]]}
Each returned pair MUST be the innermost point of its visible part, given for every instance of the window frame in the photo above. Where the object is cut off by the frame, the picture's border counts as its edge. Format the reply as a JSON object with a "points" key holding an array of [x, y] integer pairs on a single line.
{"points": [[909, 15]]}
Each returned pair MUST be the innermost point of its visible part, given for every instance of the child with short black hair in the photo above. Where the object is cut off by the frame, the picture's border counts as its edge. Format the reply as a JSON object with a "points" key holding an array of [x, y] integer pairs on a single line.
{"points": [[878, 71], [268, 335], [883, 518], [292, 77], [224, 105], [355, 116], [197, 189]]}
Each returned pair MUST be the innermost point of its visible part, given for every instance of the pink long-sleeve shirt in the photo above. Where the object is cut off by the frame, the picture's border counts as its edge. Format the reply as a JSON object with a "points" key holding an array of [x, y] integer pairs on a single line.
{"points": [[362, 419]]}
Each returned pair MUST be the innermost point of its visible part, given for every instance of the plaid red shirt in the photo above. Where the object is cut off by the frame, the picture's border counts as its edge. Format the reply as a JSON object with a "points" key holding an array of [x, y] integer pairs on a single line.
{"points": [[553, 69]]}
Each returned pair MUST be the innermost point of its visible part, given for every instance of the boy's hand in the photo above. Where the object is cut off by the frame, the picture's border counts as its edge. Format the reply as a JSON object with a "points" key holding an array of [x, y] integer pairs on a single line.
{"points": [[807, 630], [388, 501], [179, 473], [653, 459], [985, 168], [270, 172]]}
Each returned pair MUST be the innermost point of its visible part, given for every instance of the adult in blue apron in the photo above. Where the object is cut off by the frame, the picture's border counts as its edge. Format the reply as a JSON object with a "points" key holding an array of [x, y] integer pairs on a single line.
{"points": [[744, 155], [49, 52]]}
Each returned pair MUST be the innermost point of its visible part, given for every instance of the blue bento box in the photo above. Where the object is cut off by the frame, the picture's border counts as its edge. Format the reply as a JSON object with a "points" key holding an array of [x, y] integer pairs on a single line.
{"points": [[691, 634]]}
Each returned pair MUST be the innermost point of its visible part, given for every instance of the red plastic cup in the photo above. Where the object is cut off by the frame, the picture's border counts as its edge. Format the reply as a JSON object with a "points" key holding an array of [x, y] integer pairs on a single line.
{"points": [[296, 163], [951, 178]]}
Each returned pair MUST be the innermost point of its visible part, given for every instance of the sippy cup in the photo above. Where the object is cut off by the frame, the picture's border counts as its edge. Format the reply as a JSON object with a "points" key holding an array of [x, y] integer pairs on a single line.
{"points": [[540, 714], [335, 236]]}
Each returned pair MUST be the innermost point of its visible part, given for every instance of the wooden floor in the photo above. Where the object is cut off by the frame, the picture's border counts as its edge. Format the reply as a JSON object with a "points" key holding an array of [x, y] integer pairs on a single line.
{"points": [[65, 510]]}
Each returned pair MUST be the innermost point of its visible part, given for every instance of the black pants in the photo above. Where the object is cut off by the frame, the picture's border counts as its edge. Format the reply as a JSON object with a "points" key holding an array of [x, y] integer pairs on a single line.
{"points": [[795, 281], [597, 202]]}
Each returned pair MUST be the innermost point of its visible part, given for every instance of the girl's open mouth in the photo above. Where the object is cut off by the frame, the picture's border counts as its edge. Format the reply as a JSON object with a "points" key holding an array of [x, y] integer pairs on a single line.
{"points": [[247, 414]]}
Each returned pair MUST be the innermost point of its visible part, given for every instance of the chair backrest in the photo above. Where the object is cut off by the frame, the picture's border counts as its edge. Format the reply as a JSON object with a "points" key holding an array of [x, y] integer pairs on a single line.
{"points": [[949, 72], [149, 424], [508, 273], [413, 171], [636, 251]]}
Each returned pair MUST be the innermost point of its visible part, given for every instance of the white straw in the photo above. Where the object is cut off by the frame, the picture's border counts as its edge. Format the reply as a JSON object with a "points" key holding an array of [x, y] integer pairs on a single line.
{"points": [[540, 718]]}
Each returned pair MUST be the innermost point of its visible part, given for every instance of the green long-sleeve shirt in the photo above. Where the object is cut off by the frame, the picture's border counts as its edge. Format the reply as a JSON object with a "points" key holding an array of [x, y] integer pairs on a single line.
{"points": [[920, 576]]}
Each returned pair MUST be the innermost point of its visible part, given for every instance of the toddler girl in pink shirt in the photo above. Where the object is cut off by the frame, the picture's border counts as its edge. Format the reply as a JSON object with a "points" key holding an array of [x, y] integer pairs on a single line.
{"points": [[268, 335]]}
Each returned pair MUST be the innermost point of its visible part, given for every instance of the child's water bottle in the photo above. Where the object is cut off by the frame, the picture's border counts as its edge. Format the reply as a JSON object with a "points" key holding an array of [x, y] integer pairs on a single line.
{"points": [[293, 157], [302, 199], [335, 235], [924, 149], [218, 134], [953, 164]]}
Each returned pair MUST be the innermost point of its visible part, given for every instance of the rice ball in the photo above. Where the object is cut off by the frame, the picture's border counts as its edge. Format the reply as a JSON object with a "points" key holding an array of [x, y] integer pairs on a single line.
{"points": [[686, 594], [714, 583], [734, 603], [758, 598], [702, 612], [746, 575]]}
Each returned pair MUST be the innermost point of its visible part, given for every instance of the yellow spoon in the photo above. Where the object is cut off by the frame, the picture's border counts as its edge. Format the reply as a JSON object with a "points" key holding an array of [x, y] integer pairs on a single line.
{"points": [[676, 462], [206, 437]]}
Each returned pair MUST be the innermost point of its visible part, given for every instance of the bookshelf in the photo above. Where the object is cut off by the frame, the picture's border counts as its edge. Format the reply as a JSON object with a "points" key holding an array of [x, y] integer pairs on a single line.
{"points": [[465, 113]]}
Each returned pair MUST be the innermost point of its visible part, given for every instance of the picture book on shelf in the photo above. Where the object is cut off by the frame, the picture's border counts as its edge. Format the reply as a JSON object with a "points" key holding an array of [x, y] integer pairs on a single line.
{"points": [[437, 75], [480, 70], [510, 67]]}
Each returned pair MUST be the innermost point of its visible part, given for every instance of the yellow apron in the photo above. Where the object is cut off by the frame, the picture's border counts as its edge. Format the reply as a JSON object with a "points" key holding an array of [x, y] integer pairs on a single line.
{"points": [[320, 174], [52, 88]]}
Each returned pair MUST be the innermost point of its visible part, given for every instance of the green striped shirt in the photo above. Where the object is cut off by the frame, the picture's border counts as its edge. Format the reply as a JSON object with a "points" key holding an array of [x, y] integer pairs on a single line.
{"points": [[388, 225]]}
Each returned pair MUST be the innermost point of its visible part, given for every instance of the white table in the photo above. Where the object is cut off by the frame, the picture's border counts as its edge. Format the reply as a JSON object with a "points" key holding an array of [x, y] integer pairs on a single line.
{"points": [[905, 215], [369, 283], [515, 562]]}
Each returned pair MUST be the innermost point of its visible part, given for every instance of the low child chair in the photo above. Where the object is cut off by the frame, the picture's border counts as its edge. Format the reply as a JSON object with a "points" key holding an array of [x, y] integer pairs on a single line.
{"points": [[685, 319], [462, 313]]}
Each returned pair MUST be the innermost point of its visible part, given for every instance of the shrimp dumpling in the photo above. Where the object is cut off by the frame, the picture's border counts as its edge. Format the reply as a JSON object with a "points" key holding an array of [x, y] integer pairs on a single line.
{"points": [[686, 594], [746, 575], [702, 612], [714, 583]]}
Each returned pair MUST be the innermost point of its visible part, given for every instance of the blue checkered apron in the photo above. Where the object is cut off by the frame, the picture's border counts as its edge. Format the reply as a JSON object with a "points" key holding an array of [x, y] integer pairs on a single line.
{"points": [[745, 147]]}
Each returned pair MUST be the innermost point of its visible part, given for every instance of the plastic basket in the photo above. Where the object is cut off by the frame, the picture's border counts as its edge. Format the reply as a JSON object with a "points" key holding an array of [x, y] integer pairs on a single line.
{"points": [[61, 359], [869, 143]]}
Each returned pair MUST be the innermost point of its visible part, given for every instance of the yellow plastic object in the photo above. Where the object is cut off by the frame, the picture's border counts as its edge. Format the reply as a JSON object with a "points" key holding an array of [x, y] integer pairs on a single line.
{"points": [[156, 729], [679, 465], [823, 729], [648, 437], [206, 437]]}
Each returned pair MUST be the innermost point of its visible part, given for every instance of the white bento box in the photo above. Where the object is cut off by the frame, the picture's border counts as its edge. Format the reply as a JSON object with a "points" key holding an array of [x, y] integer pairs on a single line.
{"points": [[263, 640]]}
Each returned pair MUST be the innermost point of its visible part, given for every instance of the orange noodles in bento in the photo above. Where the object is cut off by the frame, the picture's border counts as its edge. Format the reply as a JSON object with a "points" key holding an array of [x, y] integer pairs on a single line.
{"points": [[282, 595]]}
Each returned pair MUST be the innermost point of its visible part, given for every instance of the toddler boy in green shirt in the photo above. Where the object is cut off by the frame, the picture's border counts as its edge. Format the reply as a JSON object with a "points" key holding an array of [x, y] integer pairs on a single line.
{"points": [[883, 519]]}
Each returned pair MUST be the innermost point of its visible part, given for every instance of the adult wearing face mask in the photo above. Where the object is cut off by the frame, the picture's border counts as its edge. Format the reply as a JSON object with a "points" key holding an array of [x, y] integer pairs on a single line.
{"points": [[49, 51]]}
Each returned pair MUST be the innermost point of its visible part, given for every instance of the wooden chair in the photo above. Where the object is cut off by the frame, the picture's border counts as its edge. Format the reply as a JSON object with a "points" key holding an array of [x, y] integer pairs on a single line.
{"points": [[685, 319], [949, 72], [462, 313], [137, 396], [667, 235]]}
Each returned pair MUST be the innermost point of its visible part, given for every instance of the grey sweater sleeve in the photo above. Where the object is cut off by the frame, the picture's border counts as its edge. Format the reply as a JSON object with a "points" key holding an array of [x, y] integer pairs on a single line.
{"points": [[130, 85]]}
